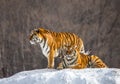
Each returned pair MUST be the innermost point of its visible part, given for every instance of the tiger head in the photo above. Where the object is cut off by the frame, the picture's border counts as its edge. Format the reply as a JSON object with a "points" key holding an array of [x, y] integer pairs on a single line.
{"points": [[37, 35], [69, 52]]}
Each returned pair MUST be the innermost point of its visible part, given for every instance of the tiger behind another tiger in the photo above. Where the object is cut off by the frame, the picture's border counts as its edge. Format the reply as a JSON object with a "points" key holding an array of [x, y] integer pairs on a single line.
{"points": [[75, 60], [51, 43]]}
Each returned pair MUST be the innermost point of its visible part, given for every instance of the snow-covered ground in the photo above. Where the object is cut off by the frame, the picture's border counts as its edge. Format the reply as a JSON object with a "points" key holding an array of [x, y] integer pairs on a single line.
{"points": [[65, 76]]}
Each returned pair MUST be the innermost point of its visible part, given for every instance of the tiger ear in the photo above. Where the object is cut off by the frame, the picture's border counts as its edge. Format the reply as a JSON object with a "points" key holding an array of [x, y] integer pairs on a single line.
{"points": [[37, 30]]}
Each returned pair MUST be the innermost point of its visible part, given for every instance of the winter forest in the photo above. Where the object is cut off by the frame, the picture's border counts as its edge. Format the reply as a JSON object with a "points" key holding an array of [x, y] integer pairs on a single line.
{"points": [[97, 22]]}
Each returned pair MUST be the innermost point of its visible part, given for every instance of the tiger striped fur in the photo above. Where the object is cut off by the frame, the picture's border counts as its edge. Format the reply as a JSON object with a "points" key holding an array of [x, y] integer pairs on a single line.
{"points": [[51, 43], [75, 60]]}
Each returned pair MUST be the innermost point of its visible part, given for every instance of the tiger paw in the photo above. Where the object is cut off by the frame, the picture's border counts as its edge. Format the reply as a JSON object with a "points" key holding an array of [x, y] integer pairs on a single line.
{"points": [[49, 67], [59, 68]]}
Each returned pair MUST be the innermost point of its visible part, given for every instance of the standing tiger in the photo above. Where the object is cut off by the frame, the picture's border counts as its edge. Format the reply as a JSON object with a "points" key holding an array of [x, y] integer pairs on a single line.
{"points": [[52, 43], [75, 60]]}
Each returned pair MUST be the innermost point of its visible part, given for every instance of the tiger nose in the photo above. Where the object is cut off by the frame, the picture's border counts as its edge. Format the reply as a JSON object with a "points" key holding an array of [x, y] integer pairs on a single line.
{"points": [[68, 52]]}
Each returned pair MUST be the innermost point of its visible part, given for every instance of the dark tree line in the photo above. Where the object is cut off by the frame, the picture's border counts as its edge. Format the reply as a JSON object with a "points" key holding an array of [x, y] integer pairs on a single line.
{"points": [[97, 22]]}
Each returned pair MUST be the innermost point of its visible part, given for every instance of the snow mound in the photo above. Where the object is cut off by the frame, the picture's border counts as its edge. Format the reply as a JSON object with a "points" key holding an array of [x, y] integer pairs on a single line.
{"points": [[65, 76]]}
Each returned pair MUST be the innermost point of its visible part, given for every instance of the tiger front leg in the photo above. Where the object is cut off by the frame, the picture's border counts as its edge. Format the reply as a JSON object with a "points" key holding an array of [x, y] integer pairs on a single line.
{"points": [[51, 59], [75, 66], [60, 66]]}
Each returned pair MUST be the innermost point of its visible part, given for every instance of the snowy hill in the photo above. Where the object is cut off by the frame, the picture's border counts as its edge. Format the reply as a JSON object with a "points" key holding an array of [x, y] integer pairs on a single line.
{"points": [[66, 76]]}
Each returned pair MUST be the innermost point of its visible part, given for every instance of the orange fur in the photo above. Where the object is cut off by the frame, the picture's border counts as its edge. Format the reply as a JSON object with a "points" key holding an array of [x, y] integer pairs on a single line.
{"points": [[54, 42], [82, 61]]}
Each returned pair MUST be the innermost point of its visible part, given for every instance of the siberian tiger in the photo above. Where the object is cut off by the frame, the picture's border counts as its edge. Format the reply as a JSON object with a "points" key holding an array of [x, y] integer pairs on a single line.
{"points": [[51, 43], [76, 60]]}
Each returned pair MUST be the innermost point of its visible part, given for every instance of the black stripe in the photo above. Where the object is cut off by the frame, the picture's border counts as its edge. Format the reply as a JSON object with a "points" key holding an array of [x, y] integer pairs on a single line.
{"points": [[64, 39], [44, 43], [74, 42], [74, 60], [64, 63], [46, 48], [41, 41], [70, 38], [48, 51], [96, 59]]}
